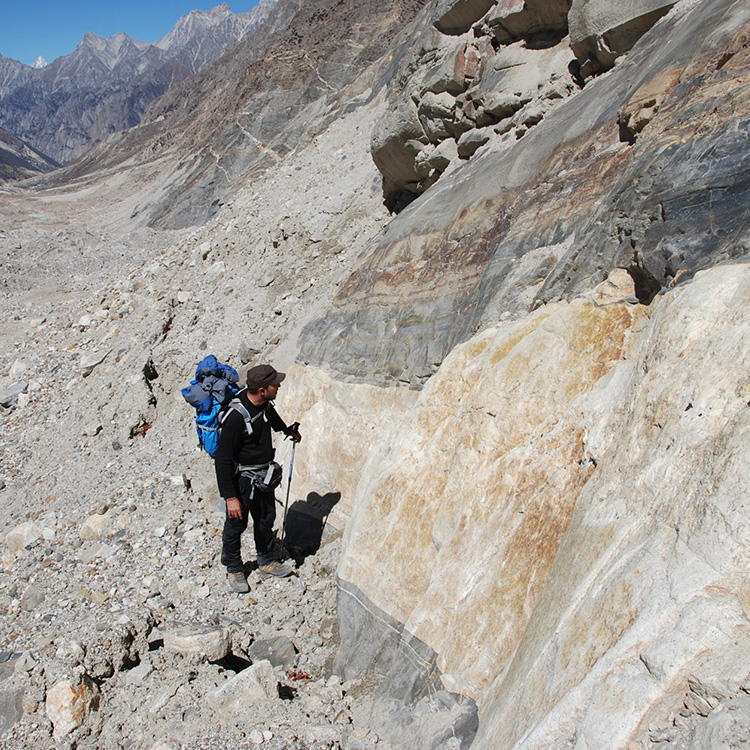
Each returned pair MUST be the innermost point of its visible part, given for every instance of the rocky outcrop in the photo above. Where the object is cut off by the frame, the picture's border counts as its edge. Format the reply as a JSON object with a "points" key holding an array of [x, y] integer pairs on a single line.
{"points": [[495, 71], [462, 92], [585, 553], [507, 546], [600, 32], [478, 248]]}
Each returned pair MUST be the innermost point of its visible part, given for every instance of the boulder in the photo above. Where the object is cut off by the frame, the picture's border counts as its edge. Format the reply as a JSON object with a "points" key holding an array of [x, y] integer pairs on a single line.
{"points": [[470, 141], [212, 642], [252, 685], [68, 703], [279, 651], [602, 31], [445, 153], [533, 20], [396, 141], [458, 16], [22, 535], [97, 526], [459, 66], [514, 76], [436, 115]]}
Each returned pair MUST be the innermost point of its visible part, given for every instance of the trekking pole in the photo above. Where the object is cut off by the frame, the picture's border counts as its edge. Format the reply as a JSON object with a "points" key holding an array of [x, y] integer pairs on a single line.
{"points": [[293, 428]]}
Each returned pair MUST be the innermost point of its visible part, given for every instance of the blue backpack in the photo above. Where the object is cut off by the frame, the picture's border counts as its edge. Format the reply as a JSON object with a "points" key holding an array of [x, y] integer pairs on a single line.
{"points": [[215, 385]]}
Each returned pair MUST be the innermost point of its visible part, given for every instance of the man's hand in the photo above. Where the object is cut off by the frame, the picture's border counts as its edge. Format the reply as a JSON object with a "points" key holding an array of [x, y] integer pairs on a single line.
{"points": [[234, 508], [293, 433]]}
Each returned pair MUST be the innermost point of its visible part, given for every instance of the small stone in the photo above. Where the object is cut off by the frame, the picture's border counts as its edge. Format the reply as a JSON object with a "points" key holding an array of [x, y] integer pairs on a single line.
{"points": [[138, 675], [21, 536], [95, 527], [32, 598], [279, 651], [254, 684], [70, 650], [25, 662], [89, 361], [213, 642], [9, 396]]}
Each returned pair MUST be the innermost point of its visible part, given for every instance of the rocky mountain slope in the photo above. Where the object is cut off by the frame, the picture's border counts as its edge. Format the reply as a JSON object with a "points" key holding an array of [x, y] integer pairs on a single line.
{"points": [[243, 115], [18, 160], [105, 85], [524, 398]]}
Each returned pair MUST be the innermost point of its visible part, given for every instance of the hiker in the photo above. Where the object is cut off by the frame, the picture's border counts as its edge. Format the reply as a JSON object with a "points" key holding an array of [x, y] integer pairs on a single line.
{"points": [[243, 457]]}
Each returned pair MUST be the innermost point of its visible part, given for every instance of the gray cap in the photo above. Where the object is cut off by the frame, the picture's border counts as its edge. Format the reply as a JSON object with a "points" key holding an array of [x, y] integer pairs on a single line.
{"points": [[261, 376]]}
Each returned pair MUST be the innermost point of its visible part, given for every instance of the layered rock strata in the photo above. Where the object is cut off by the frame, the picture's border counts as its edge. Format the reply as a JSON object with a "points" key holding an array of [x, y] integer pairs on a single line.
{"points": [[551, 295], [645, 169]]}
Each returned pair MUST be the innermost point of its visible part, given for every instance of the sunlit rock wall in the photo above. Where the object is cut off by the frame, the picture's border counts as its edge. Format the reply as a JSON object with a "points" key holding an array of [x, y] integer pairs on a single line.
{"points": [[644, 615], [556, 526], [537, 381]]}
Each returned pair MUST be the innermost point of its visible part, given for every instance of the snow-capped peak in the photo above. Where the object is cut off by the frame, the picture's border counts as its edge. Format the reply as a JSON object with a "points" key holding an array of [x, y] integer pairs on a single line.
{"points": [[40, 63]]}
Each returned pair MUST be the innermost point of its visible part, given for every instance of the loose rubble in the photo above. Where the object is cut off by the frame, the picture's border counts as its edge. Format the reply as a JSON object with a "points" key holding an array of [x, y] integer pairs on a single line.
{"points": [[118, 629]]}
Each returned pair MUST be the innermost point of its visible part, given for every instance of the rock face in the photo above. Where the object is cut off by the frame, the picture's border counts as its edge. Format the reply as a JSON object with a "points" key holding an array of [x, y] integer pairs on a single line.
{"points": [[567, 581], [495, 72], [600, 32], [526, 556], [449, 266], [105, 85]]}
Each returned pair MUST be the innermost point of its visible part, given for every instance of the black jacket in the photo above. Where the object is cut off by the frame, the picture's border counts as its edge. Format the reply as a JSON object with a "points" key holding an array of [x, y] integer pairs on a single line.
{"points": [[237, 447]]}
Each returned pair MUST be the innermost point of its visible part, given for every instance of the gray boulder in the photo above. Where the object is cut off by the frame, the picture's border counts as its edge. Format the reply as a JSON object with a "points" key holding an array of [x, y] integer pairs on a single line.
{"points": [[534, 20], [458, 16], [601, 31], [396, 141]]}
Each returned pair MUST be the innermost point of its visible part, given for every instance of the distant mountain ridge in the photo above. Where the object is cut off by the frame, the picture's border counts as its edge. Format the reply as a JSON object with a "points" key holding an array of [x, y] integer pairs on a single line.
{"points": [[18, 160], [105, 85]]}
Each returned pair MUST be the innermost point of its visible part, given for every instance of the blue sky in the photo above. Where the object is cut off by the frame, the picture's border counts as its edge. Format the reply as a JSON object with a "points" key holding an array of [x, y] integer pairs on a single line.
{"points": [[53, 28]]}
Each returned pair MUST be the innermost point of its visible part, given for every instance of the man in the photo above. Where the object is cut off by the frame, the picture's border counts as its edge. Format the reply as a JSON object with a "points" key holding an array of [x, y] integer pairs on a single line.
{"points": [[242, 459]]}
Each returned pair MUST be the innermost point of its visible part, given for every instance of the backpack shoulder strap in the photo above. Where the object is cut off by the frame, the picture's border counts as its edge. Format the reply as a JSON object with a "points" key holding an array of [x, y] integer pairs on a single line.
{"points": [[239, 407]]}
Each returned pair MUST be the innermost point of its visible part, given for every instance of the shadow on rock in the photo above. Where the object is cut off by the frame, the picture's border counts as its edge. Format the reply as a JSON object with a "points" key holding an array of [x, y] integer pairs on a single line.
{"points": [[306, 524]]}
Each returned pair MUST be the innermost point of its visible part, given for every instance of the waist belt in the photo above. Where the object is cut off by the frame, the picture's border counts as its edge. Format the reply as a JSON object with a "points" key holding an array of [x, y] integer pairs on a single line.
{"points": [[249, 471]]}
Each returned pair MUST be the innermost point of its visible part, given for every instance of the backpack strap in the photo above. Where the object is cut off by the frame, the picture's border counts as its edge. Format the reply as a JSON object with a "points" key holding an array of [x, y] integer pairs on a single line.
{"points": [[238, 406]]}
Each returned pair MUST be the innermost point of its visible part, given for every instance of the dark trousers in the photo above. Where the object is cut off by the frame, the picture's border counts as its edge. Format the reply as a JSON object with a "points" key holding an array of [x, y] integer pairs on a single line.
{"points": [[261, 507]]}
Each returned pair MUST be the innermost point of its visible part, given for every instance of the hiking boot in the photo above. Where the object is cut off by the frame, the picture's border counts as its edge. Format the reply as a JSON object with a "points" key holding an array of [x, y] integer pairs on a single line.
{"points": [[237, 582], [275, 568]]}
